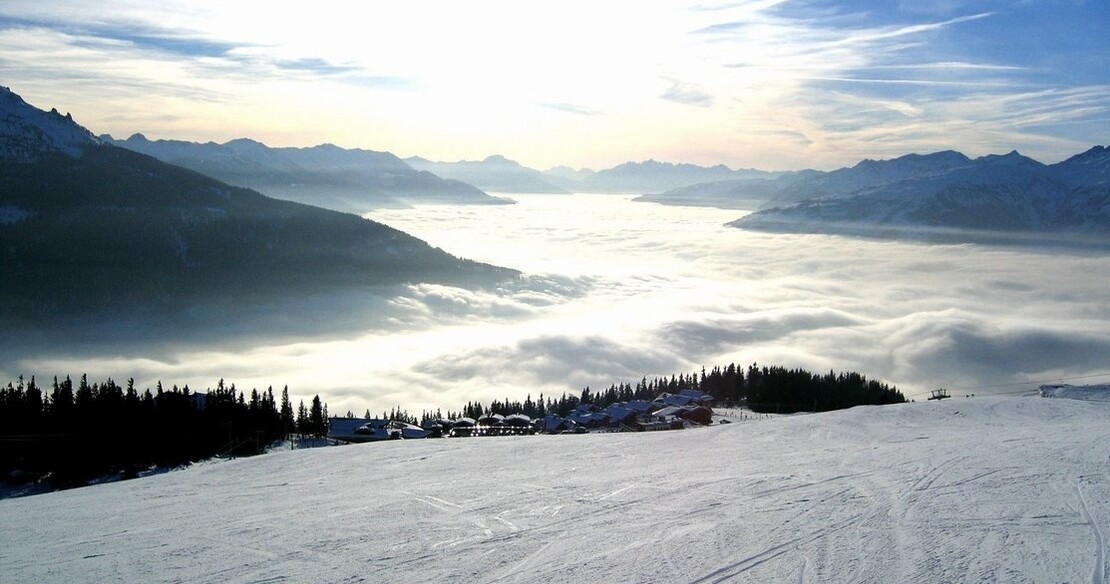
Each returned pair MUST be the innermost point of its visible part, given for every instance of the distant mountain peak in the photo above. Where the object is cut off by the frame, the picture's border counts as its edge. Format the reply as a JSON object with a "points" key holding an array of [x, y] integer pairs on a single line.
{"points": [[1012, 158], [1097, 155], [28, 133], [943, 158], [1092, 166], [245, 143]]}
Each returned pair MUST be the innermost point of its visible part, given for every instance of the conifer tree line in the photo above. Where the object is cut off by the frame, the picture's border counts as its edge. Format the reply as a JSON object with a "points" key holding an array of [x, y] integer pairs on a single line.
{"points": [[74, 433], [71, 434], [762, 389]]}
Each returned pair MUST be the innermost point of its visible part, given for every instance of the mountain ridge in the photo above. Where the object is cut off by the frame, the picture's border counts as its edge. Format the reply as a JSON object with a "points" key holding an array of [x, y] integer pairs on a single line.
{"points": [[28, 133], [1006, 198], [494, 173], [650, 176], [326, 175], [91, 228]]}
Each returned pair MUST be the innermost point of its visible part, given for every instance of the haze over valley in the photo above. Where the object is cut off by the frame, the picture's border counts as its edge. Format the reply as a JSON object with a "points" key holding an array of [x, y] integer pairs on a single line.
{"points": [[609, 289], [405, 208]]}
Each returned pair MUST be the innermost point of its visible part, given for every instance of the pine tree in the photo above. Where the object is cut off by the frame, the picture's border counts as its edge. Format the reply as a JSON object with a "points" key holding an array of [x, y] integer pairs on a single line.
{"points": [[288, 422], [317, 424], [302, 419]]}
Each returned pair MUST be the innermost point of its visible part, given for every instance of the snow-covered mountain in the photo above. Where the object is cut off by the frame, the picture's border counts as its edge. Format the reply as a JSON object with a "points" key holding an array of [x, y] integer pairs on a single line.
{"points": [[1090, 167], [89, 227], [353, 180], [28, 133], [983, 489], [494, 174], [948, 197]]}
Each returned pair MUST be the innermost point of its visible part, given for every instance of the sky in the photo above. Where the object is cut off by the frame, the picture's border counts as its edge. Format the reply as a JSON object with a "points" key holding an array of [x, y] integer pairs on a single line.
{"points": [[771, 84]]}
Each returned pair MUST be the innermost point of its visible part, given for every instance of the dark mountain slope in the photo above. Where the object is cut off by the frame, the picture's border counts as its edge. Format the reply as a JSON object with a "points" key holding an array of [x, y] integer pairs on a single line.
{"points": [[97, 228]]}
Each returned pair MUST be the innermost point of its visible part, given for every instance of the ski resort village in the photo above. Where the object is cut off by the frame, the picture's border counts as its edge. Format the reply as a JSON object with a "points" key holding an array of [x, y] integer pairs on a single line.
{"points": [[687, 409]]}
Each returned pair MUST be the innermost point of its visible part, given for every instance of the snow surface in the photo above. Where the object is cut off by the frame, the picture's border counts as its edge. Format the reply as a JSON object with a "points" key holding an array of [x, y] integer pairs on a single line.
{"points": [[984, 489], [1099, 392]]}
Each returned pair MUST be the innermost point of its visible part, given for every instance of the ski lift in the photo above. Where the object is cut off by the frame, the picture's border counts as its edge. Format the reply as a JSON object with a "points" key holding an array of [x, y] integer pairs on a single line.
{"points": [[939, 394]]}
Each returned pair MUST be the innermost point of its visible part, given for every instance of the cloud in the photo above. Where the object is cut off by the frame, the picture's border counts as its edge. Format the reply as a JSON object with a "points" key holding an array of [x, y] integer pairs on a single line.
{"points": [[314, 65], [571, 108], [575, 361], [628, 290], [687, 94], [524, 297], [142, 36], [752, 328], [750, 69]]}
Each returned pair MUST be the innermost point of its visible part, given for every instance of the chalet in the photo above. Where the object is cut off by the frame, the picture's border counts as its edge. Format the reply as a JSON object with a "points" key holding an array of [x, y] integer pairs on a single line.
{"points": [[674, 399], [641, 407], [589, 420], [699, 397], [372, 430], [517, 420], [669, 412], [699, 415], [491, 420], [553, 424], [620, 414], [343, 428]]}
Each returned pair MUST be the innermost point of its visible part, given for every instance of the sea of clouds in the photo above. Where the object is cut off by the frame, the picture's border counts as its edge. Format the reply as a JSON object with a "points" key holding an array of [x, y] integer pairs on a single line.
{"points": [[615, 290]]}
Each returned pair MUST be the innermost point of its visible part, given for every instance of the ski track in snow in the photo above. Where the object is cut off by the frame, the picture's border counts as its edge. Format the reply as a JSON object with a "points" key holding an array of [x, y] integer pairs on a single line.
{"points": [[999, 489], [1100, 550]]}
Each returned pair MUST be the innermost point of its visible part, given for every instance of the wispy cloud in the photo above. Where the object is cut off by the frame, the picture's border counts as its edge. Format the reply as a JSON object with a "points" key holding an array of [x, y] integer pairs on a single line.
{"points": [[142, 36], [892, 32], [747, 68], [687, 94], [571, 108], [314, 65]]}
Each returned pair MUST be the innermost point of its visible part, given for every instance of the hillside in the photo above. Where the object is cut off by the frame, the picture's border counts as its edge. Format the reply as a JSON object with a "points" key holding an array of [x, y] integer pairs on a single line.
{"points": [[90, 227], [966, 490], [352, 180]]}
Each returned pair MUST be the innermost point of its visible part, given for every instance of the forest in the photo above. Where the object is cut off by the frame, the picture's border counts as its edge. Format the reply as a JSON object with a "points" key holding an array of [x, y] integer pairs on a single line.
{"points": [[70, 434], [760, 389]]}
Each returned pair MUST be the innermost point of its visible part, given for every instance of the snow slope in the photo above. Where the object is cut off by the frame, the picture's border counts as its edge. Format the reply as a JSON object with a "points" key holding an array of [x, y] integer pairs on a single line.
{"points": [[966, 490], [27, 133]]}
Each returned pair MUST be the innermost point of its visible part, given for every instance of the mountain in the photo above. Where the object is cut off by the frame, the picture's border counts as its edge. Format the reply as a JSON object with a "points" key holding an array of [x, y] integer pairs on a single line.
{"points": [[27, 133], [747, 194], [948, 197], [787, 188], [88, 227], [649, 176], [495, 174], [1091, 167], [353, 180], [566, 176]]}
